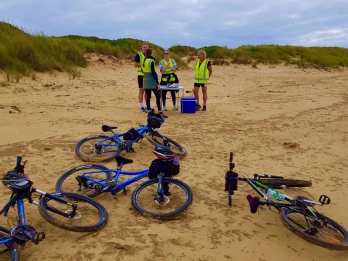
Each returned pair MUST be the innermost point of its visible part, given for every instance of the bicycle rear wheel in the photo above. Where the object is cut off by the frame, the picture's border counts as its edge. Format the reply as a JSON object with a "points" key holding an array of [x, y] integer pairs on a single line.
{"points": [[98, 148], [157, 139], [74, 181], [8, 250], [280, 183], [144, 198], [90, 215], [323, 232]]}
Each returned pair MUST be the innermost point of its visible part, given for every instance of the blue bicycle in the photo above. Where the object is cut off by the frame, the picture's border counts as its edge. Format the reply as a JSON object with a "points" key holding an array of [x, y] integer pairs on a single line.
{"points": [[161, 197], [102, 148], [9, 249], [65, 210]]}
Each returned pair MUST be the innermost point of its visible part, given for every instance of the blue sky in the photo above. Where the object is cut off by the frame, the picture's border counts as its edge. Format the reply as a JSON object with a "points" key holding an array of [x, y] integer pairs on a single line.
{"points": [[195, 23]]}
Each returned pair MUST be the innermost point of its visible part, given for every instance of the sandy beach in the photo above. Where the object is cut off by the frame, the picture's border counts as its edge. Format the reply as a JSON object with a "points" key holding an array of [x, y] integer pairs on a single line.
{"points": [[275, 119]]}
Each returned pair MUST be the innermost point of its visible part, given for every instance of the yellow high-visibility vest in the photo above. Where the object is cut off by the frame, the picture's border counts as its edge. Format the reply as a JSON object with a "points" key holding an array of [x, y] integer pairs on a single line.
{"points": [[142, 57], [202, 73]]}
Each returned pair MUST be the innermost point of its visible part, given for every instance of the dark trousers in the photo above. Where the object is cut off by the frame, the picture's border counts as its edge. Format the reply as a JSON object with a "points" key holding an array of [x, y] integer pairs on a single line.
{"points": [[148, 97], [164, 94]]}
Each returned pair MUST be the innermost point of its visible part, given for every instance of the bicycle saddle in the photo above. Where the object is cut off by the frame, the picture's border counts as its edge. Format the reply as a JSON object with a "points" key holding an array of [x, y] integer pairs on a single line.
{"points": [[120, 160], [107, 128]]}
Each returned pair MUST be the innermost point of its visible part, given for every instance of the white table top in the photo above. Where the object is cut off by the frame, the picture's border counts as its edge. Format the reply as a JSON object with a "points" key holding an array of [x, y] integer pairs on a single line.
{"points": [[165, 87]]}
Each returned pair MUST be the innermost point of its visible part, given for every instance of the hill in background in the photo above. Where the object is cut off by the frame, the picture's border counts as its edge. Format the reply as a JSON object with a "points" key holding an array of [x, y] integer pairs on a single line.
{"points": [[22, 53]]}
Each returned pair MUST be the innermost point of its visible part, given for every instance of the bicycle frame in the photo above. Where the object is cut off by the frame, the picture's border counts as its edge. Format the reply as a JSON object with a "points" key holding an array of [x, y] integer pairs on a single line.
{"points": [[113, 186], [118, 138], [291, 203]]}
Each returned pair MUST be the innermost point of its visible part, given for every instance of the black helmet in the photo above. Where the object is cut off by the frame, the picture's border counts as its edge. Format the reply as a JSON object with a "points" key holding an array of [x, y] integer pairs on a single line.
{"points": [[163, 152], [16, 182]]}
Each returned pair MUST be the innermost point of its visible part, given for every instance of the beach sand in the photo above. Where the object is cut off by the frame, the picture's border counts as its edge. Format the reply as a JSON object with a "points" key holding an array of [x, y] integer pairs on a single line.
{"points": [[275, 119]]}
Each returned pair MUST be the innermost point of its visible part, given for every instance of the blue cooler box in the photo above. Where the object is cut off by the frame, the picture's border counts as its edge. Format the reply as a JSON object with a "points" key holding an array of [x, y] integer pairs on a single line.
{"points": [[188, 105]]}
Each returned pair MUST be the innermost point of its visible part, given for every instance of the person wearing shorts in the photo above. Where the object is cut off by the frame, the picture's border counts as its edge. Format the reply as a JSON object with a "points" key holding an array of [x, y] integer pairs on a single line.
{"points": [[203, 71], [138, 60]]}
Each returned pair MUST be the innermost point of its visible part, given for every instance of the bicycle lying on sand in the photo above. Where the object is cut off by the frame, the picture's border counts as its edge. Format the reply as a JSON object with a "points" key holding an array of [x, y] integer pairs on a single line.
{"points": [[151, 198], [297, 214], [65, 210], [101, 148]]}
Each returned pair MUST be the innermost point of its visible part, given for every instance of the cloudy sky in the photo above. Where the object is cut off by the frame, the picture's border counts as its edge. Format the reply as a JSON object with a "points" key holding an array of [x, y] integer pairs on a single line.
{"points": [[195, 23]]}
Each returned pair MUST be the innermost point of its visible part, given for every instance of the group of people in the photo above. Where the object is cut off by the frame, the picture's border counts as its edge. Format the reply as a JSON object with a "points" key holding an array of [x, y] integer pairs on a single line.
{"points": [[148, 81]]}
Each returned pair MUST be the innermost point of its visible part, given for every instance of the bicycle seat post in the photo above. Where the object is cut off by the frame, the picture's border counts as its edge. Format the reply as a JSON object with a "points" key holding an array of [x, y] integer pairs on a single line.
{"points": [[119, 167]]}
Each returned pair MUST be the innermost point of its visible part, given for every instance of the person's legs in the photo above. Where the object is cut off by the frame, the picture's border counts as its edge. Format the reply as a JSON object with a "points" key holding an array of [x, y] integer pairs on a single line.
{"points": [[148, 98], [173, 93], [164, 97], [158, 101], [173, 97], [141, 93], [205, 97], [195, 93]]}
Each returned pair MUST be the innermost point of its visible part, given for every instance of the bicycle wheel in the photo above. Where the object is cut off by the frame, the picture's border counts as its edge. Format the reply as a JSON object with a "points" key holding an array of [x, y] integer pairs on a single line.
{"points": [[74, 181], [8, 250], [90, 215], [144, 198], [325, 232], [97, 148], [157, 139], [280, 183]]}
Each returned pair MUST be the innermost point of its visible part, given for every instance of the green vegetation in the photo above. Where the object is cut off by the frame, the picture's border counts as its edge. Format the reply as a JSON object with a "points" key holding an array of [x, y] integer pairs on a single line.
{"points": [[23, 54]]}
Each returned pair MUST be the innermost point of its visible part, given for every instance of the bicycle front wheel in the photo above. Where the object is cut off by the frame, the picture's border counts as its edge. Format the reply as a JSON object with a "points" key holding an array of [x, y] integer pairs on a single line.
{"points": [[8, 250], [90, 215], [157, 139], [176, 200], [76, 180], [97, 148], [280, 182], [323, 232]]}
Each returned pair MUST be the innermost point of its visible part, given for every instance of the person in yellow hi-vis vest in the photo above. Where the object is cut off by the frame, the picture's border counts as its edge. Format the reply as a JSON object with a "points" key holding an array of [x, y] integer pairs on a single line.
{"points": [[203, 71], [138, 60], [151, 83], [168, 67]]}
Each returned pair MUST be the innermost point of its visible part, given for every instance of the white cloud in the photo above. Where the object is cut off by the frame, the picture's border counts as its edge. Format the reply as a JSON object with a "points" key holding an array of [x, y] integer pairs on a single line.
{"points": [[187, 22]]}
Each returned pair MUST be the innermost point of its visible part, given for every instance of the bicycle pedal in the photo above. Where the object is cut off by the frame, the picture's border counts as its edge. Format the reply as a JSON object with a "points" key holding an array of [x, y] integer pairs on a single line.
{"points": [[324, 200], [39, 236], [124, 191]]}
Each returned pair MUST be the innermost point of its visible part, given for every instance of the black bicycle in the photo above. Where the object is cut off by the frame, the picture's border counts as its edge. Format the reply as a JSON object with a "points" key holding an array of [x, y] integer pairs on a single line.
{"points": [[297, 214], [65, 210]]}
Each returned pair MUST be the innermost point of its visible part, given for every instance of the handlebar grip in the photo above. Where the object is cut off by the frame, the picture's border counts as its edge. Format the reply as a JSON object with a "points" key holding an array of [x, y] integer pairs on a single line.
{"points": [[19, 160]]}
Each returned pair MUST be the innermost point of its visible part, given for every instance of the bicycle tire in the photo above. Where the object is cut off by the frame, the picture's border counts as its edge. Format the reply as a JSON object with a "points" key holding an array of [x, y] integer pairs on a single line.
{"points": [[157, 139], [339, 240], [84, 204], [9, 250], [280, 183], [144, 202], [85, 149], [68, 182]]}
